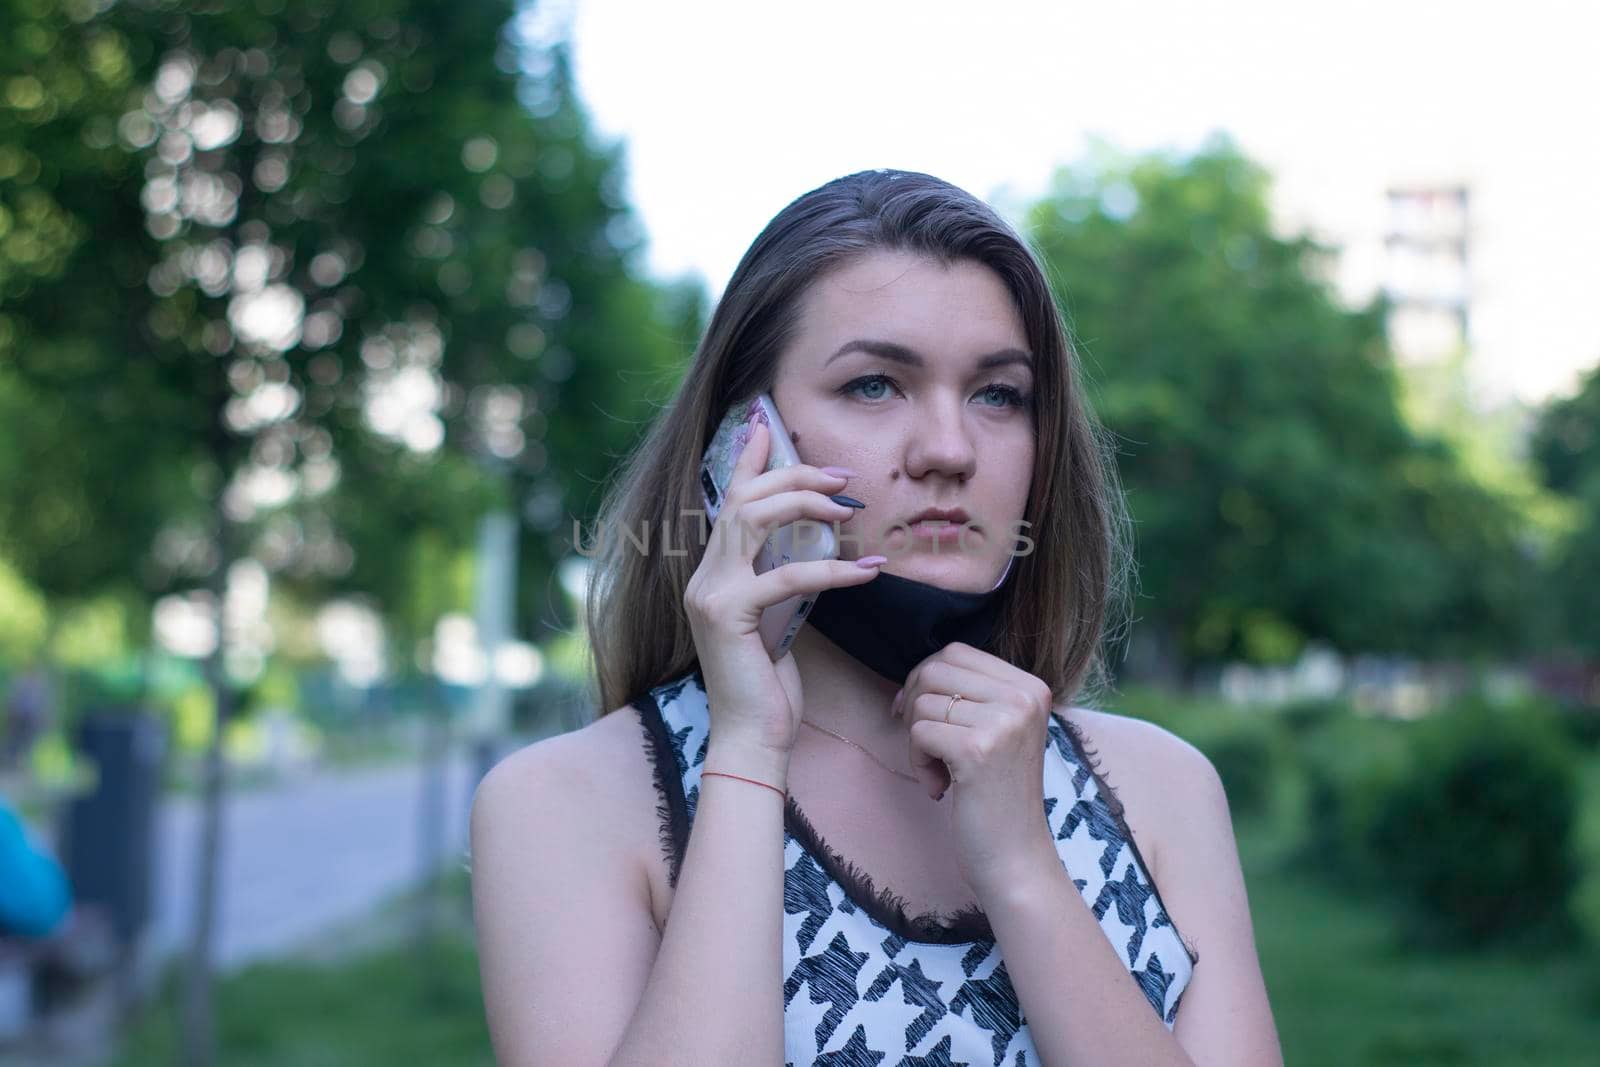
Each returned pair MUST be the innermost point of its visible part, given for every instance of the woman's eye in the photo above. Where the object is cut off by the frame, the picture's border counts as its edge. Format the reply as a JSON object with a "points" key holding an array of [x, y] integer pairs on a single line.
{"points": [[867, 387], [876, 387], [1005, 395]]}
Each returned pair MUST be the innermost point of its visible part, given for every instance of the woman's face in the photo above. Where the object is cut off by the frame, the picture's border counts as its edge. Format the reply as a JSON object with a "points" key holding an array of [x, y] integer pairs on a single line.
{"points": [[917, 377]]}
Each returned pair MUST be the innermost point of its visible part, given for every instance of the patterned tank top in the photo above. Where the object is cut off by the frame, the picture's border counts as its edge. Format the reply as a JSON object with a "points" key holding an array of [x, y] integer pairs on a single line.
{"points": [[864, 982]]}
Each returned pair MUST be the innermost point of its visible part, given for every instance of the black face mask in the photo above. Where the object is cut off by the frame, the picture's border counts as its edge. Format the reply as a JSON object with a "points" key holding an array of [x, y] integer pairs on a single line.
{"points": [[891, 624]]}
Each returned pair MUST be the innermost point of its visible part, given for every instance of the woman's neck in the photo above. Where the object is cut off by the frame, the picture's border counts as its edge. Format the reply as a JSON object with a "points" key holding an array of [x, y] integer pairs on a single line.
{"points": [[843, 694]]}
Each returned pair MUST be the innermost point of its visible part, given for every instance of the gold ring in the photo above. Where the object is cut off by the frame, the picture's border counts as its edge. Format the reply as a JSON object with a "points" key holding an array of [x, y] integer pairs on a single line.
{"points": [[950, 706]]}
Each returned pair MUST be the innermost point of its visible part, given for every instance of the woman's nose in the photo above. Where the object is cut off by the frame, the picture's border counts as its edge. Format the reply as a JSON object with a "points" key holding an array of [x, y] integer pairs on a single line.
{"points": [[940, 442]]}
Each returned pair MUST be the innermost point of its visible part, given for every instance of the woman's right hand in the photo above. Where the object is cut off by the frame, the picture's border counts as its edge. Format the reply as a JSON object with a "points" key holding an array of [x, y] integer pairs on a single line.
{"points": [[754, 701]]}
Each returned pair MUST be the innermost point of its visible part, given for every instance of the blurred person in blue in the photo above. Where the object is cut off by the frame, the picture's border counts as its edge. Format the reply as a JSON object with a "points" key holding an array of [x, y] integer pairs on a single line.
{"points": [[35, 896], [27, 716]]}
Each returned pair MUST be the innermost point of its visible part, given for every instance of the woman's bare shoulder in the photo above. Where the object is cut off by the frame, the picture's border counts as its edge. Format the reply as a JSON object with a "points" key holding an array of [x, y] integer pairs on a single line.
{"points": [[594, 763], [1149, 744], [593, 784]]}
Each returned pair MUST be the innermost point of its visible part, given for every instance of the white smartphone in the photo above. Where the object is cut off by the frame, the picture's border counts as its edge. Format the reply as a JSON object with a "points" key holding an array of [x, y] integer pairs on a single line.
{"points": [[805, 539]]}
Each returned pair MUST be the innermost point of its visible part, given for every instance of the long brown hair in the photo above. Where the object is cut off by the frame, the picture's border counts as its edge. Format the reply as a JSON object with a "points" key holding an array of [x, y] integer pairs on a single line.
{"points": [[1058, 601]]}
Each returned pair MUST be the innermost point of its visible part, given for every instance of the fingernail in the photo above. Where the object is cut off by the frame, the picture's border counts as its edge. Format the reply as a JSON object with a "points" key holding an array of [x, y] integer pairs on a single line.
{"points": [[847, 501], [871, 561], [894, 705], [839, 472]]}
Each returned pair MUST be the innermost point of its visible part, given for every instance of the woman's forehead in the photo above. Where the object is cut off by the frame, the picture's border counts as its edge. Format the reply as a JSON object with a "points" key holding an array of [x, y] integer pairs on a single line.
{"points": [[884, 277], [960, 310]]}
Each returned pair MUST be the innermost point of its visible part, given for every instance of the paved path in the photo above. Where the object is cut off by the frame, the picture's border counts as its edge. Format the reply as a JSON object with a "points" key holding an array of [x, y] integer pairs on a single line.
{"points": [[303, 856]]}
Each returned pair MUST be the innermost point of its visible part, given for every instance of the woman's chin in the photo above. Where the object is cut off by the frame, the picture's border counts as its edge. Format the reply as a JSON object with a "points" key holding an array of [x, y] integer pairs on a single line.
{"points": [[959, 573]]}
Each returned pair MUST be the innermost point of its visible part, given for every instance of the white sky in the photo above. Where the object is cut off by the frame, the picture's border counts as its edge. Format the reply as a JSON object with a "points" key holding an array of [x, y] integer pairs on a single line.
{"points": [[731, 108]]}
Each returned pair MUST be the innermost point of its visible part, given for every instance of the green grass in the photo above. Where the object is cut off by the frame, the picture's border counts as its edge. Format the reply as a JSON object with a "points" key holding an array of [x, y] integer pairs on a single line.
{"points": [[1586, 903], [1345, 991], [384, 1007], [380, 1010]]}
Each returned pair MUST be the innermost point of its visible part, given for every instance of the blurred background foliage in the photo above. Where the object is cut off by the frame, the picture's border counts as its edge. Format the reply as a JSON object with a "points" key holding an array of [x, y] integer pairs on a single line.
{"points": [[1280, 494], [318, 285], [343, 259]]}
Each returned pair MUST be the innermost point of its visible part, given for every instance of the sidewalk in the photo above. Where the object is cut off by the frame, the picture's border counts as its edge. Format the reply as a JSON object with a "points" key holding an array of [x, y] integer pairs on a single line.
{"points": [[317, 865], [301, 856]]}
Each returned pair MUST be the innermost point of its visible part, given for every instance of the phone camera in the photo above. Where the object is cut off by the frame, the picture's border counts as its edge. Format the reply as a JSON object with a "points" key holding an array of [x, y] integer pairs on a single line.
{"points": [[710, 487]]}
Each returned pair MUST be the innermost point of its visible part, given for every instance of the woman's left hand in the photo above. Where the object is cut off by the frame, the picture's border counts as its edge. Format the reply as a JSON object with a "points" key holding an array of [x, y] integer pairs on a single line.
{"points": [[990, 751]]}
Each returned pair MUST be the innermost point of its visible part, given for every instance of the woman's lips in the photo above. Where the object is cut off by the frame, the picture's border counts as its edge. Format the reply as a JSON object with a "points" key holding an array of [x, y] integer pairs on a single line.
{"points": [[940, 532]]}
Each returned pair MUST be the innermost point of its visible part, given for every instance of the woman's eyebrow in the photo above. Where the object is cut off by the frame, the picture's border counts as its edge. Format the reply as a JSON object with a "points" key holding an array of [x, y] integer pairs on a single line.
{"points": [[899, 353]]}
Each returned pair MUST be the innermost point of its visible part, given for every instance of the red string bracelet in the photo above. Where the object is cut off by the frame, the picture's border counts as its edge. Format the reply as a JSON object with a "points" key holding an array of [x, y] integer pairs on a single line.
{"points": [[752, 781]]}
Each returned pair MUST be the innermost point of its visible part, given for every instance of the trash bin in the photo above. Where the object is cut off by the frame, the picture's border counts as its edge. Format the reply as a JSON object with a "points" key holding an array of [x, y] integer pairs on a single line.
{"points": [[108, 838]]}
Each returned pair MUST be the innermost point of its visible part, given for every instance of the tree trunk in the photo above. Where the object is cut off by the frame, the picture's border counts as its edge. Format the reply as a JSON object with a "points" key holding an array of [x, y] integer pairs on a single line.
{"points": [[431, 831], [199, 1029]]}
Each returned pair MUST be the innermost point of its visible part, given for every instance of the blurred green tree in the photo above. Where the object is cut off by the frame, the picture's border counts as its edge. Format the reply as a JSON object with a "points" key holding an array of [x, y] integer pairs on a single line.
{"points": [[88, 457], [316, 284], [1278, 493], [1565, 446], [367, 263]]}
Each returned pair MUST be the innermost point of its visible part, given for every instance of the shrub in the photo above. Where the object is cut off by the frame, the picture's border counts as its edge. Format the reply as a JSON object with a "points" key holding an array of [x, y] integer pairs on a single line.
{"points": [[1243, 744], [1347, 761], [1582, 724], [1476, 836], [1244, 750], [1305, 714]]}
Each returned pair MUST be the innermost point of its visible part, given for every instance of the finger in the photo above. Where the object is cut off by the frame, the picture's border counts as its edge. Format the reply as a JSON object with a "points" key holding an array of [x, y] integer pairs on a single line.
{"points": [[934, 755], [936, 674], [752, 457], [742, 529], [799, 476], [754, 521], [740, 602], [906, 690], [934, 701], [952, 653], [977, 659], [812, 576]]}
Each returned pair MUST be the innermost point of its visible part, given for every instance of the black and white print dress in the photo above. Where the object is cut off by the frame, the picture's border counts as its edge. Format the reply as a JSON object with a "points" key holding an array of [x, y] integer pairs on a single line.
{"points": [[864, 982]]}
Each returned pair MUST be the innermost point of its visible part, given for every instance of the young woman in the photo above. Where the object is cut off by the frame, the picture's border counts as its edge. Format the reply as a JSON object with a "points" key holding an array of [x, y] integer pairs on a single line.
{"points": [[899, 843]]}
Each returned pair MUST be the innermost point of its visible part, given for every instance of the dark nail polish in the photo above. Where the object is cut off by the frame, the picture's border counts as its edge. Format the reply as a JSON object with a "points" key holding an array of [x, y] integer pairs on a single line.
{"points": [[847, 501]]}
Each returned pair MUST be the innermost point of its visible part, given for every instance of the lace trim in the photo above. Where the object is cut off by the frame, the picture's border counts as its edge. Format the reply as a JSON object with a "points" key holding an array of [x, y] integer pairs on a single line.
{"points": [[964, 926], [888, 908], [672, 810]]}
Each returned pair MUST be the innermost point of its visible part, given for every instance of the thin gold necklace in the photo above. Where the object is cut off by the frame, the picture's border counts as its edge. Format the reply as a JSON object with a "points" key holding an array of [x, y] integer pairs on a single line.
{"points": [[874, 759]]}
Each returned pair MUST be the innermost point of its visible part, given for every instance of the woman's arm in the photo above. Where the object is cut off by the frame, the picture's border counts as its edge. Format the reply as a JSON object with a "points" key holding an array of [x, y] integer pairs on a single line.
{"points": [[1081, 1004], [1224, 1016], [574, 971]]}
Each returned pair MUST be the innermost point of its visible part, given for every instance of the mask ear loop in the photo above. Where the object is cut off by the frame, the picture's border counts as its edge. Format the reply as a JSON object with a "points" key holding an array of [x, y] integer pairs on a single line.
{"points": [[1011, 558]]}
